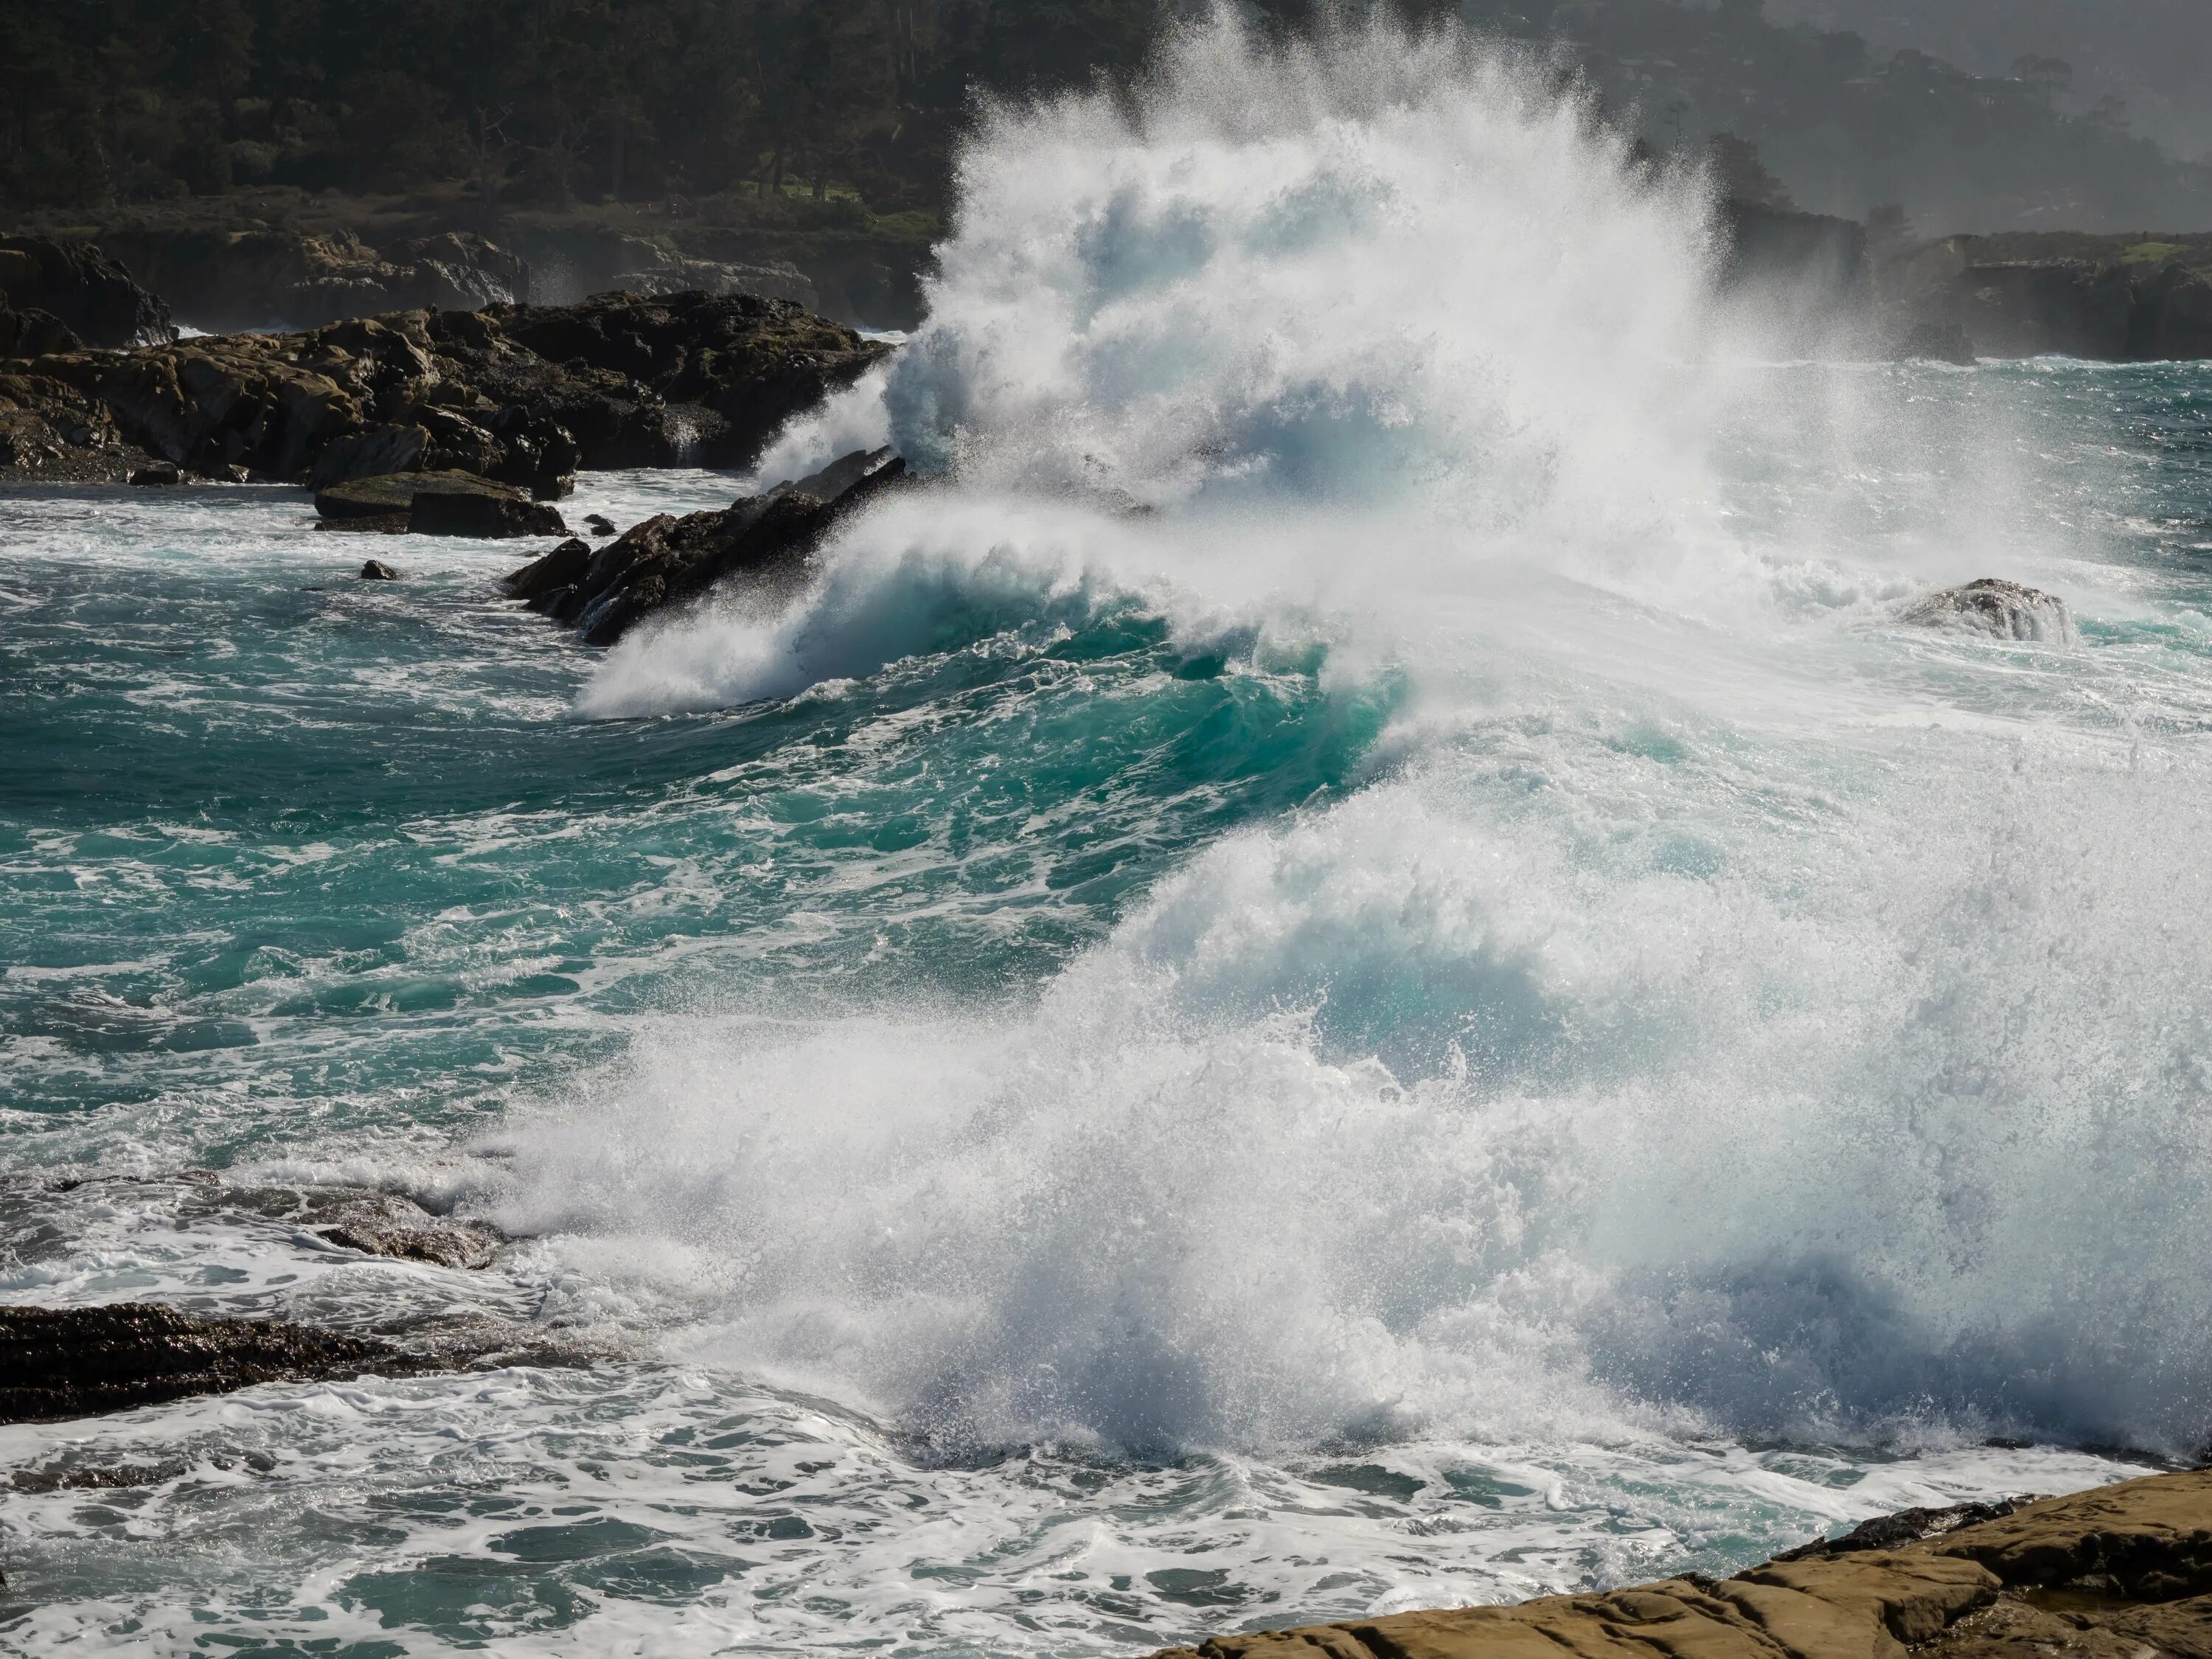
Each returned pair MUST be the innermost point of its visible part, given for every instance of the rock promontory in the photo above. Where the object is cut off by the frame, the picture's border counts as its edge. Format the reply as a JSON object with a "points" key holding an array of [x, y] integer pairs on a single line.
{"points": [[2120, 1572]]}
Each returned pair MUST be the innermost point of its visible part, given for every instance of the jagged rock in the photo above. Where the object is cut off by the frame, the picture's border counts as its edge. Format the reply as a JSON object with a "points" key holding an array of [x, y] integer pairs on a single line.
{"points": [[50, 429], [484, 517], [2110, 1574], [2001, 610], [289, 279], [525, 395], [375, 570], [31, 332], [161, 473], [1886, 1532], [394, 493], [374, 1223], [87, 292], [740, 365], [77, 1362], [668, 560], [218, 402], [599, 524]]}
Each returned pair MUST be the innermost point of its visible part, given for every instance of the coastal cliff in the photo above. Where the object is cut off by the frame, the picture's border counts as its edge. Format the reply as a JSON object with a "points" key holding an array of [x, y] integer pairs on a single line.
{"points": [[2119, 1572]]}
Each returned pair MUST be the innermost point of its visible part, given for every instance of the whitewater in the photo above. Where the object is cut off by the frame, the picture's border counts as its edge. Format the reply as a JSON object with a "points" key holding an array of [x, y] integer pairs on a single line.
{"points": [[1356, 965]]}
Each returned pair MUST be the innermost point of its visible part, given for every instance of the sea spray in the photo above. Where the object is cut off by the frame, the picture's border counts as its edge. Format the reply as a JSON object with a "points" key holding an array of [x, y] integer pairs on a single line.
{"points": [[1715, 1014]]}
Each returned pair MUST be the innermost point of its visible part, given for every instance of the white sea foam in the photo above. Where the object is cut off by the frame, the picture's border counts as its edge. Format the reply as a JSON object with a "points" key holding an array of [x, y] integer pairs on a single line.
{"points": [[1719, 1010]]}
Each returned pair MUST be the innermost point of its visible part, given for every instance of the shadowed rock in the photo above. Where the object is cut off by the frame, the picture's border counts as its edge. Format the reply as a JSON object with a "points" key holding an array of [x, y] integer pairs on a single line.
{"points": [[438, 504], [520, 394], [668, 562], [2121, 1572], [375, 570], [2001, 609], [486, 517], [87, 292]]}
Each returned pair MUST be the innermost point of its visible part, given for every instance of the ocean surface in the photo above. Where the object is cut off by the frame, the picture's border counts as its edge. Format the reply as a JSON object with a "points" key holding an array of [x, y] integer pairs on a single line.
{"points": [[1361, 968]]}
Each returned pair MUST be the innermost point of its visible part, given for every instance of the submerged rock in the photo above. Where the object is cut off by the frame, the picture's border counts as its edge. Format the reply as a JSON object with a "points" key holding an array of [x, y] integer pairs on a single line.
{"points": [[375, 570], [374, 1223], [2120, 1572], [599, 524], [2001, 610], [667, 561]]}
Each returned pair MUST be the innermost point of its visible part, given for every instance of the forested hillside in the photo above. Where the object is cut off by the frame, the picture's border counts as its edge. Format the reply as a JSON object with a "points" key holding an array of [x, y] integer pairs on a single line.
{"points": [[537, 104]]}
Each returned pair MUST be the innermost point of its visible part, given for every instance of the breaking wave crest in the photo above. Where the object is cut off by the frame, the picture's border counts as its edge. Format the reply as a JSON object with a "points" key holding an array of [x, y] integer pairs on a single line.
{"points": [[1703, 1019]]}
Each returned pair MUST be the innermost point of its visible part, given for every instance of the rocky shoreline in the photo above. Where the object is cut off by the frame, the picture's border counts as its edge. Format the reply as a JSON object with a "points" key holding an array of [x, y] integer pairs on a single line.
{"points": [[2118, 1572], [516, 393]]}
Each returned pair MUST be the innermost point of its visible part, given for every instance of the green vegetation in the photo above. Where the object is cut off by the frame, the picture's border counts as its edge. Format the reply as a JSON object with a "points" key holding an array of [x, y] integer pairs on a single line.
{"points": [[824, 114]]}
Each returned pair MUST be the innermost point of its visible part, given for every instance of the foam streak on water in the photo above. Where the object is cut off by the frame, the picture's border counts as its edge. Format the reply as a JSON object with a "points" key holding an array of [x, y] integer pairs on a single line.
{"points": [[1357, 967]]}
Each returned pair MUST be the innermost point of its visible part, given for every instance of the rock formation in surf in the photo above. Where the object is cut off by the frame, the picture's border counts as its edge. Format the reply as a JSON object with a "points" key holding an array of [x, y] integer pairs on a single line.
{"points": [[2120, 1572], [2001, 610], [668, 562], [522, 394]]}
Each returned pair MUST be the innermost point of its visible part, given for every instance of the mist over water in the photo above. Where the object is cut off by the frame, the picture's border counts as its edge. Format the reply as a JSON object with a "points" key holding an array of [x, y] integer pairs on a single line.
{"points": [[1715, 1009], [1355, 966]]}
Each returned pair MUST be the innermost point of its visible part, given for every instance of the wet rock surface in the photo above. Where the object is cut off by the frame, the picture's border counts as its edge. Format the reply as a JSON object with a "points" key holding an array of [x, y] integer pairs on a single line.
{"points": [[2001, 610], [2121, 1572], [62, 1363], [668, 562], [520, 394]]}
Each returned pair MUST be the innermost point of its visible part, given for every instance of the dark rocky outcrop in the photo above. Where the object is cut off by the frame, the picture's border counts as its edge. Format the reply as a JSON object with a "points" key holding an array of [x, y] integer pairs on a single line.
{"points": [[483, 516], [599, 524], [2001, 609], [2121, 1572], [161, 473], [79, 1362], [32, 332], [225, 279], [523, 395], [87, 292], [2107, 308], [735, 367], [375, 570], [669, 562], [444, 503], [49, 430]]}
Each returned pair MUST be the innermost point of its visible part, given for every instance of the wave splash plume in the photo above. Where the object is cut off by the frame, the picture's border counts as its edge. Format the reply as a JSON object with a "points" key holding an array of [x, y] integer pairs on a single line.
{"points": [[1714, 1012]]}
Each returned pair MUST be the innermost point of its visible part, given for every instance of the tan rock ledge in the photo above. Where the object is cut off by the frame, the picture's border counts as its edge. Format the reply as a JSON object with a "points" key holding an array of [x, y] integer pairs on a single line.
{"points": [[2121, 1572]]}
